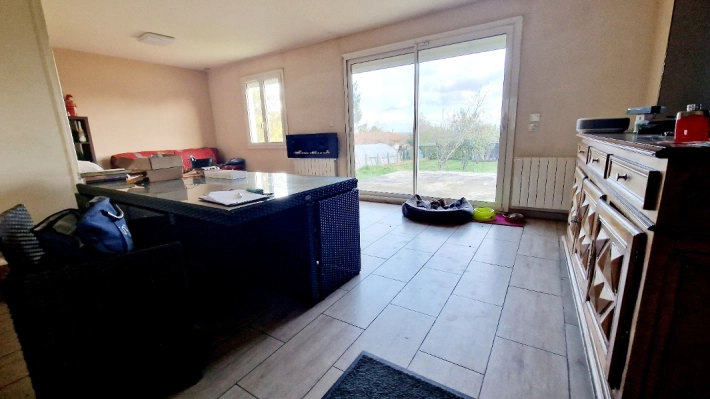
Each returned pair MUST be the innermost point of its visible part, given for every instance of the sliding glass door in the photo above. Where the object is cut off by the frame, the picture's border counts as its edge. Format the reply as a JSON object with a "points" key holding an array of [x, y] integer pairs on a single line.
{"points": [[460, 98], [431, 118], [383, 132]]}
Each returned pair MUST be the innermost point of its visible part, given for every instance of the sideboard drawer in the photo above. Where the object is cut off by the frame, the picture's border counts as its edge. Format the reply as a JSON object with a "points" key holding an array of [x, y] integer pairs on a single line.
{"points": [[638, 183], [582, 152], [597, 160]]}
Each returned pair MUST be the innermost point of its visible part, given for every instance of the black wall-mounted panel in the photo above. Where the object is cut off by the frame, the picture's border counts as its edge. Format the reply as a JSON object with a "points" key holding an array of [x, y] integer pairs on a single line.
{"points": [[317, 145]]}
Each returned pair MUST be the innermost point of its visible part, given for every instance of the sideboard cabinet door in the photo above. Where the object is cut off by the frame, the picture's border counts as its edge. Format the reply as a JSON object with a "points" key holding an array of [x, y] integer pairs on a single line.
{"points": [[573, 219], [582, 248], [614, 288]]}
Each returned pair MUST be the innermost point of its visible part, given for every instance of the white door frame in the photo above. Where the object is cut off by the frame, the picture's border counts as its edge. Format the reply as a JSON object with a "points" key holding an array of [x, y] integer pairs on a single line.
{"points": [[512, 28]]}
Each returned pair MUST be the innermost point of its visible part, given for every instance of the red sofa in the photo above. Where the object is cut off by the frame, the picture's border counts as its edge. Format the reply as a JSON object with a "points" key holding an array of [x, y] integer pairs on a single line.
{"points": [[198, 153]]}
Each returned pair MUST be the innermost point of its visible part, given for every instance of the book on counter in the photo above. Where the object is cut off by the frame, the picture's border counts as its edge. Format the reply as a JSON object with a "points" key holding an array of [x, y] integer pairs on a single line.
{"points": [[232, 197], [104, 176]]}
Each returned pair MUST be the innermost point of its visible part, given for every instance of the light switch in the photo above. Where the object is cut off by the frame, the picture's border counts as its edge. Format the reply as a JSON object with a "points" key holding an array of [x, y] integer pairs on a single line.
{"points": [[534, 117], [331, 124]]}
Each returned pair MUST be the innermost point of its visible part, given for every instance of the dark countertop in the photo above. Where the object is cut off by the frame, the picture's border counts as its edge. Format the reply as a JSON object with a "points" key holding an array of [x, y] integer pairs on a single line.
{"points": [[652, 144], [182, 196]]}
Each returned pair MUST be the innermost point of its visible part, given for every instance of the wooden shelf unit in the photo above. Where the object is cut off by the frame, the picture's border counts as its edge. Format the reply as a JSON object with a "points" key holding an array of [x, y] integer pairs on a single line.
{"points": [[84, 149]]}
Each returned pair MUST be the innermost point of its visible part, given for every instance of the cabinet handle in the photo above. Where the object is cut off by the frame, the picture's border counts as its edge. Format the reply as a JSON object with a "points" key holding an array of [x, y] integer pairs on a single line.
{"points": [[620, 177], [582, 151], [595, 159]]}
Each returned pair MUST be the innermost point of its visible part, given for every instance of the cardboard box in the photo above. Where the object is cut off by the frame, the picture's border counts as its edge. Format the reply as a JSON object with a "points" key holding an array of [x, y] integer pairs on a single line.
{"points": [[134, 164], [173, 173], [166, 161], [148, 163]]}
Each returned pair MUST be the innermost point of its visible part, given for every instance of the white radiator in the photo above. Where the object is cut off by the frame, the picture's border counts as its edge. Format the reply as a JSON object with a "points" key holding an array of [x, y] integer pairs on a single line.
{"points": [[315, 166], [543, 183]]}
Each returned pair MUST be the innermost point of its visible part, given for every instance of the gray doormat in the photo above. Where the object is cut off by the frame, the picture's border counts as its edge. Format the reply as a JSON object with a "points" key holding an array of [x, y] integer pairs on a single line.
{"points": [[371, 377]]}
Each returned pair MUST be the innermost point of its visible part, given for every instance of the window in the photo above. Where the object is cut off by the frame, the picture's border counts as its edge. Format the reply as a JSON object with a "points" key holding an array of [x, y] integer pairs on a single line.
{"points": [[266, 108]]}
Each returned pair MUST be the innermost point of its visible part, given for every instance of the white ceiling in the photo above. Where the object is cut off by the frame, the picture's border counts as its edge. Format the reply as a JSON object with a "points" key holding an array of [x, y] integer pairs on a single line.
{"points": [[214, 32]]}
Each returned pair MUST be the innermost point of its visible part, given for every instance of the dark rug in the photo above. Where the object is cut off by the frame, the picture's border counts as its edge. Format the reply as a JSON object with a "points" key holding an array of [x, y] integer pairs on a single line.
{"points": [[371, 377]]}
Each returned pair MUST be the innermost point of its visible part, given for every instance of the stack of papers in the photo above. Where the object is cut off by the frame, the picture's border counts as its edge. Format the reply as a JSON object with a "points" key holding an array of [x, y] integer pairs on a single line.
{"points": [[232, 197]]}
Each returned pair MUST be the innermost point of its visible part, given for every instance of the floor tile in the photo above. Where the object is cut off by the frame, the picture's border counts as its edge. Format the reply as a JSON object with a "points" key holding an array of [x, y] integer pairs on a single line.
{"points": [[364, 303], [395, 219], [451, 258], [368, 264], [381, 210], [367, 220], [242, 353], [324, 384], [387, 246], [395, 336], [442, 231], [375, 231], [6, 323], [541, 227], [497, 252], [9, 343], [470, 234], [403, 265], [580, 384], [7, 359], [18, 389], [505, 233], [540, 247], [286, 317], [534, 319], [13, 368], [561, 228], [426, 242], [484, 282], [569, 309], [365, 243], [463, 333], [236, 392], [296, 367], [410, 228], [427, 292], [537, 274], [447, 374], [518, 371]]}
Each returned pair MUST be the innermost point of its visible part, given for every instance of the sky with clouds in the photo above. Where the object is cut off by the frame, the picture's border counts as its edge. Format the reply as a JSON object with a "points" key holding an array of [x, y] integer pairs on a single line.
{"points": [[446, 85]]}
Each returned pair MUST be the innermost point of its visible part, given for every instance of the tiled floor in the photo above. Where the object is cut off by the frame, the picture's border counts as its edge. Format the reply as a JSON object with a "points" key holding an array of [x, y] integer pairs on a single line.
{"points": [[484, 309]]}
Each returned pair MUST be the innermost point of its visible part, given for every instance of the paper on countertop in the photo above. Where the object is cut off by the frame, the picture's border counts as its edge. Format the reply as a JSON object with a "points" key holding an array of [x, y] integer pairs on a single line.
{"points": [[232, 197]]}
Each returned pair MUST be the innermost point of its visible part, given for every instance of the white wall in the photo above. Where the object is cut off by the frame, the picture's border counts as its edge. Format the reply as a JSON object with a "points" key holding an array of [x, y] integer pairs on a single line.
{"points": [[34, 133], [581, 58]]}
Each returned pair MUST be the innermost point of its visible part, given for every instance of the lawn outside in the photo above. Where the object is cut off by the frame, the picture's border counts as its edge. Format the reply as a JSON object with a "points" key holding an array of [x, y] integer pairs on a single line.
{"points": [[476, 183], [370, 171]]}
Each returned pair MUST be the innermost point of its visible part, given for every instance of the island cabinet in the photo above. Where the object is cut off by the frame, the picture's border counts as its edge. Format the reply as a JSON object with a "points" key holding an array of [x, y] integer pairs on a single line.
{"points": [[637, 249]]}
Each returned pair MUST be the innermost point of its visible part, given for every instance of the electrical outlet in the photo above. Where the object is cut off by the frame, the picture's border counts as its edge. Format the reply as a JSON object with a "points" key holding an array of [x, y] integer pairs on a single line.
{"points": [[534, 127]]}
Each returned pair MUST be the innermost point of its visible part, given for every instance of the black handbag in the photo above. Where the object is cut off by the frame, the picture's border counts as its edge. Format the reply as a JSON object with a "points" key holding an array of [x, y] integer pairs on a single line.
{"points": [[58, 237]]}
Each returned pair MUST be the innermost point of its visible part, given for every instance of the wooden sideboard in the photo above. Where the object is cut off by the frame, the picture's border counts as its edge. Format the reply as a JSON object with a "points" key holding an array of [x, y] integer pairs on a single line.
{"points": [[638, 253]]}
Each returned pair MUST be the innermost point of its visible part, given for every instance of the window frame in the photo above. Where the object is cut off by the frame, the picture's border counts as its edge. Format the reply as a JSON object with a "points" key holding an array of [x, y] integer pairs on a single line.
{"points": [[260, 78]]}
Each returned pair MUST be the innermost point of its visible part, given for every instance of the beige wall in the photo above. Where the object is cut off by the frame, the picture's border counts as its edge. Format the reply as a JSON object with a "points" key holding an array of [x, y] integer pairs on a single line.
{"points": [[580, 58], [34, 136], [664, 14], [137, 106]]}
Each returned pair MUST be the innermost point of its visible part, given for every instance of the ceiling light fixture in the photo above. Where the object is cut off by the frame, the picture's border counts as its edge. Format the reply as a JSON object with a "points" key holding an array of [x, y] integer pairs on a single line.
{"points": [[155, 39]]}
